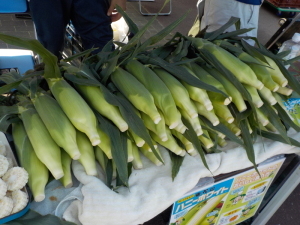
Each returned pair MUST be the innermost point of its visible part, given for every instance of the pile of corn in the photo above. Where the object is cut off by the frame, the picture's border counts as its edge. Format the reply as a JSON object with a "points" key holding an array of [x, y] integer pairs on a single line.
{"points": [[189, 95]]}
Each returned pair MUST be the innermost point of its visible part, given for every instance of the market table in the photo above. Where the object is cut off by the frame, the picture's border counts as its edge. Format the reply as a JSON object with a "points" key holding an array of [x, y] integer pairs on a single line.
{"points": [[151, 190]]}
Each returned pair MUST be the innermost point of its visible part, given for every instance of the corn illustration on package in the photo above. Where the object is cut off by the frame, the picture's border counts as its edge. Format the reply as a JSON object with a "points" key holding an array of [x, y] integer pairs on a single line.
{"points": [[229, 201]]}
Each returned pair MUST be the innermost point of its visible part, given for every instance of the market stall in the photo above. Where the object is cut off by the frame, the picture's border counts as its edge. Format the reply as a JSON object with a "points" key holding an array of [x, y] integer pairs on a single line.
{"points": [[137, 160]]}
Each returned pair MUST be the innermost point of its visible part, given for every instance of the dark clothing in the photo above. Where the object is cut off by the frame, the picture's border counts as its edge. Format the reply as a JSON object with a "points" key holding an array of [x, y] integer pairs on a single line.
{"points": [[251, 2], [89, 17]]}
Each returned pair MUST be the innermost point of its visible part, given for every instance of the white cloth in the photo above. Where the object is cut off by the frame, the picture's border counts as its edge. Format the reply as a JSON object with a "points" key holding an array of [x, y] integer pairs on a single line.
{"points": [[152, 189], [217, 12]]}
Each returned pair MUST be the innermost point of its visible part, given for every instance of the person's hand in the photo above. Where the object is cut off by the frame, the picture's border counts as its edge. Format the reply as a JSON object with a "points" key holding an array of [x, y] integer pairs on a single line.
{"points": [[112, 12]]}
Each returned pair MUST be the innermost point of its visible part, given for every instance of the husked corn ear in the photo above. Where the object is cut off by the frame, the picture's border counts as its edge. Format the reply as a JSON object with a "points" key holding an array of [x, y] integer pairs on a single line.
{"points": [[159, 129], [223, 112], [75, 107], [179, 92], [210, 115], [38, 173], [238, 68], [197, 94], [206, 140], [20, 200], [6, 206], [66, 162], [162, 96], [136, 162], [206, 77], [232, 91], [135, 92], [59, 126], [105, 144], [15, 178], [95, 97], [46, 150], [170, 144], [195, 122], [254, 95], [3, 165]]}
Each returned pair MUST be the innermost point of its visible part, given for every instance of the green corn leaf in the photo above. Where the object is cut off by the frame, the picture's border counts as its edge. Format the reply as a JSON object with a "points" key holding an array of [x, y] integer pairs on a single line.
{"points": [[253, 51], [223, 129], [213, 35], [176, 163], [274, 119], [248, 143], [191, 135], [277, 137], [132, 25], [109, 172], [285, 117], [50, 60], [234, 33], [118, 147], [178, 72]]}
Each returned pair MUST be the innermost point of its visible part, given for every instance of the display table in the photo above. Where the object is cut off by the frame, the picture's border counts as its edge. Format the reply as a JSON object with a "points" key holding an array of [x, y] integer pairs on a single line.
{"points": [[151, 190]]}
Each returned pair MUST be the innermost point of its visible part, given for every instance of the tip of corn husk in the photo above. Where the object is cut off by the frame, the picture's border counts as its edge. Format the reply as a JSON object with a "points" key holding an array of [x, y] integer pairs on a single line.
{"points": [[259, 104], [57, 174], [259, 85], [215, 123], [275, 89], [284, 83], [156, 119], [39, 197], [230, 120], [163, 137], [173, 125], [69, 185], [95, 140], [76, 156], [140, 143], [227, 101], [123, 127]]}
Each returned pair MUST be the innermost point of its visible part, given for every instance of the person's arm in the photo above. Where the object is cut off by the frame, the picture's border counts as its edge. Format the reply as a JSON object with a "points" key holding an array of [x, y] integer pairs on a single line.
{"points": [[112, 12]]}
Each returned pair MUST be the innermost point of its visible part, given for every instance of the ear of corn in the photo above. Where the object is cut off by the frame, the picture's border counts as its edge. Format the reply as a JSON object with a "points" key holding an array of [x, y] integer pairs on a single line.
{"points": [[197, 94], [179, 92], [37, 171], [59, 126], [159, 129], [76, 108], [189, 147], [194, 122], [161, 94], [267, 95], [87, 158], [206, 140], [231, 126], [284, 91], [105, 144], [210, 115], [232, 91], [275, 72], [262, 118], [136, 162], [130, 150], [238, 68], [170, 144], [47, 150], [137, 139], [254, 95], [136, 93], [151, 156], [66, 162], [223, 112], [95, 97], [204, 75]]}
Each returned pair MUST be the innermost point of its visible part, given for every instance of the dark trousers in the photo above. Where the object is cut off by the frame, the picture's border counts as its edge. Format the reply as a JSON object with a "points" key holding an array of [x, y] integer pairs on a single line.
{"points": [[88, 17]]}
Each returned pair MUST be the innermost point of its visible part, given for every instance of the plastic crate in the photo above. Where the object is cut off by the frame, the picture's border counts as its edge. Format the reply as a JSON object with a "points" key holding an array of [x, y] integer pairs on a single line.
{"points": [[13, 6], [285, 3]]}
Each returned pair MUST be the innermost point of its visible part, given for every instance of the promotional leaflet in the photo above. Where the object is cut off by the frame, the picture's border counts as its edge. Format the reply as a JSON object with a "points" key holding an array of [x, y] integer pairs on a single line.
{"points": [[229, 201]]}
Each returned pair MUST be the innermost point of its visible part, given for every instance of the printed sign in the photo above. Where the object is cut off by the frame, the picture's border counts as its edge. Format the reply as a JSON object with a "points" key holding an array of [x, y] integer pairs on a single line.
{"points": [[227, 202]]}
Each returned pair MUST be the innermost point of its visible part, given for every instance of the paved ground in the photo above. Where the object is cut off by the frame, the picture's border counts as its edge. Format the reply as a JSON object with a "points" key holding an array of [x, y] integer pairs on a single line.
{"points": [[288, 214]]}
